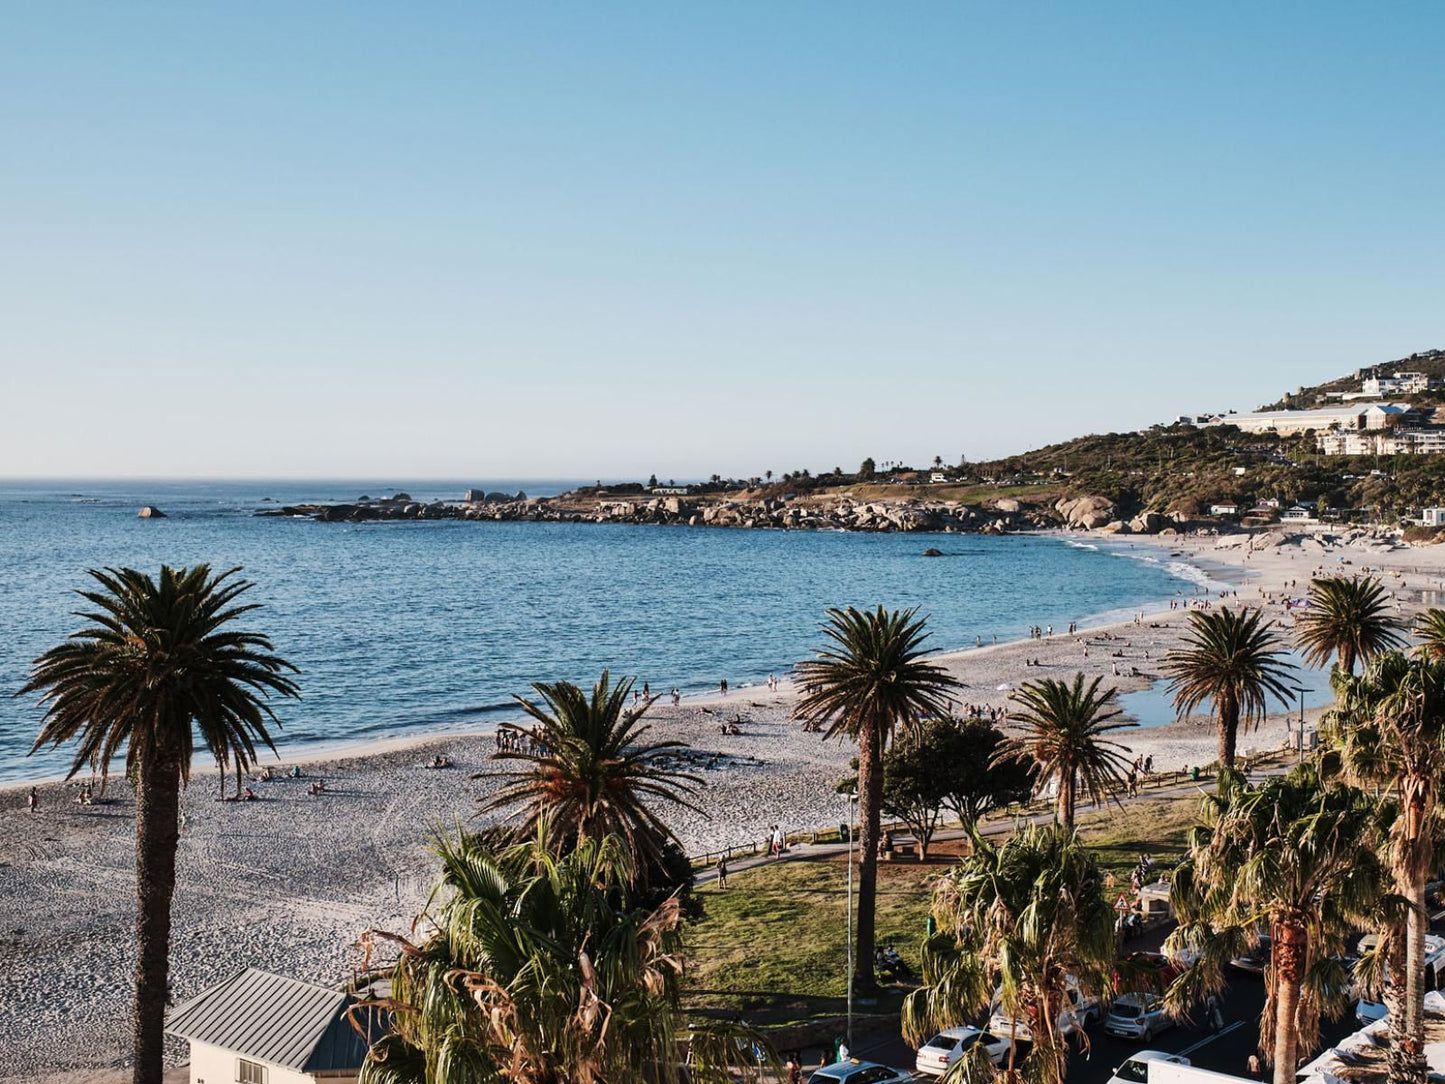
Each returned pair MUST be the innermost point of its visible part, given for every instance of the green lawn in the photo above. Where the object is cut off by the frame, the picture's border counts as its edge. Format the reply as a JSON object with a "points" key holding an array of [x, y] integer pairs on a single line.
{"points": [[773, 944]]}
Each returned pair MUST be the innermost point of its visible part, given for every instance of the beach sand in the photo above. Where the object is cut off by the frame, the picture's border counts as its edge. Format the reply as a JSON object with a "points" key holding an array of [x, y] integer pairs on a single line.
{"points": [[287, 883]]}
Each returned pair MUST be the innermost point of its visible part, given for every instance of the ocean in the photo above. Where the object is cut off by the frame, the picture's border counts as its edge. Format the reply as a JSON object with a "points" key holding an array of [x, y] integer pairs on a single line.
{"points": [[425, 627]]}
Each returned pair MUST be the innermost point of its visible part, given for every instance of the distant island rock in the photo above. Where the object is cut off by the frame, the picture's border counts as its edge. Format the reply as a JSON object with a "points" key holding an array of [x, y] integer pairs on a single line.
{"points": [[150, 511]]}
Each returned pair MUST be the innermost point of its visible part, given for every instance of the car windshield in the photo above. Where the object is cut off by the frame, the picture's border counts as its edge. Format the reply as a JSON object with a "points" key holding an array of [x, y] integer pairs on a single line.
{"points": [[1125, 1011], [1132, 1070], [942, 1042]]}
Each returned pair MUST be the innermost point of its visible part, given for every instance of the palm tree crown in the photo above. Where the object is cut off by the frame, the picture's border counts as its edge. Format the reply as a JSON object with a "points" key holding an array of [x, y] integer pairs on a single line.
{"points": [[1063, 738], [587, 772], [1232, 659], [541, 971], [1430, 629], [1293, 858], [1349, 619], [157, 657], [1031, 915], [159, 662], [870, 678]]}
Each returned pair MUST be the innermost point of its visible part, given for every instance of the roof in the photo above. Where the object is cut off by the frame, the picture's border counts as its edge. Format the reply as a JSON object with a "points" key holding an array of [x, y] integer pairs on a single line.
{"points": [[285, 1022]]}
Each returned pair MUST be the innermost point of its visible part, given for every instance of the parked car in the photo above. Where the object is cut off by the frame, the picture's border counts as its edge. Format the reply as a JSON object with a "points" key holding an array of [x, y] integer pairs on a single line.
{"points": [[1254, 960], [1137, 1016], [1136, 1069], [854, 1071], [1080, 1013], [945, 1048]]}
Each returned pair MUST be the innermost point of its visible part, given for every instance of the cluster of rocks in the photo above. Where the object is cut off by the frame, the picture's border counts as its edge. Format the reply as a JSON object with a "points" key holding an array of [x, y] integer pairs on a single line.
{"points": [[1364, 540], [1100, 514]]}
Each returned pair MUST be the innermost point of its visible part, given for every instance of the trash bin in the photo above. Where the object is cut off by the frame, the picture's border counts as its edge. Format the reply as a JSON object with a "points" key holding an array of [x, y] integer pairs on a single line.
{"points": [[1194, 774], [842, 833]]}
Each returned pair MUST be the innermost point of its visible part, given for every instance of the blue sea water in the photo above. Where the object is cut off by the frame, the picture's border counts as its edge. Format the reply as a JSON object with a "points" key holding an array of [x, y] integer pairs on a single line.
{"points": [[420, 627]]}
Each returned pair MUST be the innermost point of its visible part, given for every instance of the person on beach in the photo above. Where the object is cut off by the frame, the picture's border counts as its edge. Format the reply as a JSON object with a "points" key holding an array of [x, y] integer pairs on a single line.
{"points": [[723, 686], [676, 697], [32, 800]]}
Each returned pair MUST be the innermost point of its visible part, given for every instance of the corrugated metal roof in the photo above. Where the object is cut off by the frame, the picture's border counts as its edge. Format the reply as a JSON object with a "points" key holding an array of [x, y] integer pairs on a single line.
{"points": [[274, 1019]]}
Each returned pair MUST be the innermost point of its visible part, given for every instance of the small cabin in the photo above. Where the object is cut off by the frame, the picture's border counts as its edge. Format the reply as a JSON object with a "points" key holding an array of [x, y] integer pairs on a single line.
{"points": [[259, 1028]]}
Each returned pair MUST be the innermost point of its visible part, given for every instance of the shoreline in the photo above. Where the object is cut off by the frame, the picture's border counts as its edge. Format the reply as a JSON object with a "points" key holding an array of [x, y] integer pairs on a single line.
{"points": [[327, 751]]}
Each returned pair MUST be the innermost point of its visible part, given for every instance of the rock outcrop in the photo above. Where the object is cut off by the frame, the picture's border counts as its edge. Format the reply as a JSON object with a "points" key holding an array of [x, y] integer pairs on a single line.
{"points": [[1086, 512], [150, 511]]}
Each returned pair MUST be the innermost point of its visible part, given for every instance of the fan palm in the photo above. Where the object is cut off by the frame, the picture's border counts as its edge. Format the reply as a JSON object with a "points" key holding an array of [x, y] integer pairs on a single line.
{"points": [[158, 664], [1390, 726], [1029, 917], [1430, 629], [1293, 858], [586, 771], [1235, 662], [870, 678], [539, 971], [1063, 739], [1349, 619]]}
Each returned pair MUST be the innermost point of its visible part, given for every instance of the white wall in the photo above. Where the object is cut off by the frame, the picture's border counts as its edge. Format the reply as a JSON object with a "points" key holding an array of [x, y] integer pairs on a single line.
{"points": [[213, 1065]]}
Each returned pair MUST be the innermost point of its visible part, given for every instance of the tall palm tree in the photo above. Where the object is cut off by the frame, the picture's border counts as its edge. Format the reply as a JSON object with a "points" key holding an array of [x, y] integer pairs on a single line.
{"points": [[1430, 630], [586, 771], [1349, 619], [1235, 662], [1390, 726], [870, 678], [1294, 858], [159, 664], [1063, 739], [1030, 915], [539, 970]]}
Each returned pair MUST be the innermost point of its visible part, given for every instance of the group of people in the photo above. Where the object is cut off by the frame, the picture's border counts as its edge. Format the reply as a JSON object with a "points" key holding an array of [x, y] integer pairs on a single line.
{"points": [[982, 711], [511, 740], [1039, 632]]}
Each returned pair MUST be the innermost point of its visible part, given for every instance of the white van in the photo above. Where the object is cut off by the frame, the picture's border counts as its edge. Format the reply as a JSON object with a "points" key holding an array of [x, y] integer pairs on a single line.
{"points": [[1367, 1012]]}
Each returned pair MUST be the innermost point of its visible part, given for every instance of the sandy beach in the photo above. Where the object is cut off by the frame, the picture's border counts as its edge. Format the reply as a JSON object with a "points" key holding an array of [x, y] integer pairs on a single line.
{"points": [[287, 882]]}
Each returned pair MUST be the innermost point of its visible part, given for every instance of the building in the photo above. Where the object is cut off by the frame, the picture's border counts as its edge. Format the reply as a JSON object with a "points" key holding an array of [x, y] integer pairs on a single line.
{"points": [[1226, 508], [1297, 514], [1422, 440], [671, 491], [1397, 384], [1432, 517], [259, 1028], [938, 476], [1293, 422]]}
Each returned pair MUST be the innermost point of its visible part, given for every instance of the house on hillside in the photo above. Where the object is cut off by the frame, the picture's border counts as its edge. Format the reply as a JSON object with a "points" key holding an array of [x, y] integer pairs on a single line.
{"points": [[1224, 508], [259, 1028]]}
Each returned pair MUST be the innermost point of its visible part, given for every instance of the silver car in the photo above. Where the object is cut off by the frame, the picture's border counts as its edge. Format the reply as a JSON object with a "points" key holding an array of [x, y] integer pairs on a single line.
{"points": [[1137, 1016], [853, 1071]]}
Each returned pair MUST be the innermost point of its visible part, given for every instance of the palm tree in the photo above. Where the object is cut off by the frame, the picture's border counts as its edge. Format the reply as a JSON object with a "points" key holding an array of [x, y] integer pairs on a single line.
{"points": [[1390, 726], [1030, 915], [1430, 629], [158, 664], [1064, 727], [540, 971], [1347, 618], [1232, 660], [870, 678], [586, 771], [1293, 858]]}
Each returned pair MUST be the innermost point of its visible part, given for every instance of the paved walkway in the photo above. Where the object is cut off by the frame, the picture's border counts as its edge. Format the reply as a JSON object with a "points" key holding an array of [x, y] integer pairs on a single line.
{"points": [[807, 852]]}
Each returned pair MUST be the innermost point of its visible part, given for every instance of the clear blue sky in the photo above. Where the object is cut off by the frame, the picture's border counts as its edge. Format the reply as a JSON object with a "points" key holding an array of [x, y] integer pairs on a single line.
{"points": [[541, 240]]}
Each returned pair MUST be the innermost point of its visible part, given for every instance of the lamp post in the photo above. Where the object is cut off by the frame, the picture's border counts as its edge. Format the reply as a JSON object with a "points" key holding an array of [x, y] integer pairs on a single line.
{"points": [[1301, 691], [848, 1034]]}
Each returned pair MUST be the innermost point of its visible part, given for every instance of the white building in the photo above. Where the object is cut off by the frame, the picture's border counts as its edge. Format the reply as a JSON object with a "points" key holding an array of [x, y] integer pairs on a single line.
{"points": [[1224, 509], [1432, 517], [1397, 384], [259, 1028], [1291, 422], [1422, 441]]}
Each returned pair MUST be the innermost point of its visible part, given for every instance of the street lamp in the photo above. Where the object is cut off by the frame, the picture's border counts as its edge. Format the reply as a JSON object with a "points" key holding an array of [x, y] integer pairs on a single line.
{"points": [[848, 1034], [1300, 689]]}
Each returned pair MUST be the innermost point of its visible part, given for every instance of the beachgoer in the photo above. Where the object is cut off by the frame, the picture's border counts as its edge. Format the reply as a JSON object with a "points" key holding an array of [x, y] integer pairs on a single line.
{"points": [[250, 795], [723, 686], [646, 692], [32, 802], [722, 873]]}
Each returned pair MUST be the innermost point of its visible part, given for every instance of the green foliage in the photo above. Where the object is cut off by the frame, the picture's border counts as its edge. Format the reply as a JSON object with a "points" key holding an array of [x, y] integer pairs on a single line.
{"points": [[1349, 619], [973, 779], [1029, 916]]}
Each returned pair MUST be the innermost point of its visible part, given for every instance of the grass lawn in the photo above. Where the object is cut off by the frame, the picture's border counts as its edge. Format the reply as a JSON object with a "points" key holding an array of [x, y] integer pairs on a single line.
{"points": [[773, 944]]}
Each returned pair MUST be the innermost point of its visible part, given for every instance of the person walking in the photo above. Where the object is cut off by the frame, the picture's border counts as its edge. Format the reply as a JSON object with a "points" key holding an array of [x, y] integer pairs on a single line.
{"points": [[722, 874], [32, 800], [795, 1068]]}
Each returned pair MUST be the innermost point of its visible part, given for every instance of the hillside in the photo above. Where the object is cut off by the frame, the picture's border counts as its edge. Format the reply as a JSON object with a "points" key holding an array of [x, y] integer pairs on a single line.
{"points": [[1429, 362]]}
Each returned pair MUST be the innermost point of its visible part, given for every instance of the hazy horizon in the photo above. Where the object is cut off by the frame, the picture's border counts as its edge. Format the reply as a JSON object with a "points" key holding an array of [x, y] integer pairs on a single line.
{"points": [[328, 241]]}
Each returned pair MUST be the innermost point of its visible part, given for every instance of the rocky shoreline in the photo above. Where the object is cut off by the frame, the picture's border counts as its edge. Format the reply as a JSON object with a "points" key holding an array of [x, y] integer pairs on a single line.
{"points": [[752, 511]]}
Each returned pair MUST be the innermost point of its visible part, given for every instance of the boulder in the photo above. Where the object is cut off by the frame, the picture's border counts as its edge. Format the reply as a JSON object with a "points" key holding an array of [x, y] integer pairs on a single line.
{"points": [[1115, 526], [1231, 541], [1089, 512], [1147, 523], [932, 553], [150, 511], [1006, 504], [475, 496]]}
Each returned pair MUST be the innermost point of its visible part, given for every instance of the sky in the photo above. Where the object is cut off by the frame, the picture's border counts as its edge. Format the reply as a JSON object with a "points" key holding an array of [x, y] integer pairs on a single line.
{"points": [[575, 240]]}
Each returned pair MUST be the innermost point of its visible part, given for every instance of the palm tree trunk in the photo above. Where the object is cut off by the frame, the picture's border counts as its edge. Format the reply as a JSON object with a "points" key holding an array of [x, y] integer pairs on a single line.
{"points": [[1066, 799], [870, 813], [157, 835], [1412, 1064], [1397, 1068], [1228, 731], [1289, 962]]}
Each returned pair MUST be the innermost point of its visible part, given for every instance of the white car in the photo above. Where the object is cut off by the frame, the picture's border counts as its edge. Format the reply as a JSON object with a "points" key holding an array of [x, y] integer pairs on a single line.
{"points": [[945, 1048], [1137, 1016], [1136, 1069], [1078, 1015], [854, 1071]]}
